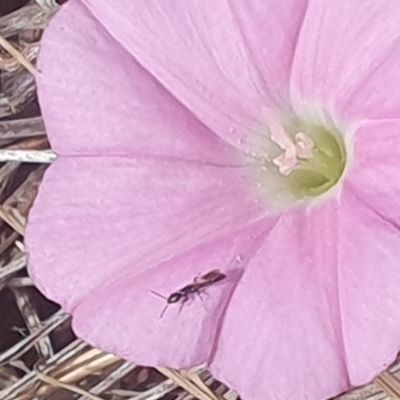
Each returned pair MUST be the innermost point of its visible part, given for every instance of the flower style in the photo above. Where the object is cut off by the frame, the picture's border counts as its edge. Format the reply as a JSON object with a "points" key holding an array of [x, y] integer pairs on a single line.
{"points": [[257, 137]]}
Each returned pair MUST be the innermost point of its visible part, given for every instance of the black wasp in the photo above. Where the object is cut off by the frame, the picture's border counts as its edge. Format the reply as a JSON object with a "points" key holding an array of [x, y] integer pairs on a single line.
{"points": [[183, 295]]}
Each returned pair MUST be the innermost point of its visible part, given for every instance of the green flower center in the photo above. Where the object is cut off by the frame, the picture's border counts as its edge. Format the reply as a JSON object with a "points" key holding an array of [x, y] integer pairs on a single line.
{"points": [[317, 174], [304, 159]]}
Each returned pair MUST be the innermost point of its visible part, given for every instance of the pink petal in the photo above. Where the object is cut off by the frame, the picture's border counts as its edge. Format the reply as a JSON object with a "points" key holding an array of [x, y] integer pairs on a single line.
{"points": [[99, 218], [196, 50], [378, 97], [271, 30], [348, 58], [282, 335], [369, 288], [185, 335], [96, 99], [374, 175]]}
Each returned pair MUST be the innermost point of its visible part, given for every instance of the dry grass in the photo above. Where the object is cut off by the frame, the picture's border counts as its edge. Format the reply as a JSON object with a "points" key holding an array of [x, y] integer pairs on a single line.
{"points": [[40, 358]]}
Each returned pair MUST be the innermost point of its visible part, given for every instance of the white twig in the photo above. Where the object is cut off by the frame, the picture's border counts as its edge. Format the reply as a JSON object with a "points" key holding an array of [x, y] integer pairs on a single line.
{"points": [[28, 156]]}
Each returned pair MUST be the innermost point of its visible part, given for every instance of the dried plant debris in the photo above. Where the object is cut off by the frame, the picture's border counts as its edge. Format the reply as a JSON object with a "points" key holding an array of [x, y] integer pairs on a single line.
{"points": [[22, 128], [17, 91], [28, 50]]}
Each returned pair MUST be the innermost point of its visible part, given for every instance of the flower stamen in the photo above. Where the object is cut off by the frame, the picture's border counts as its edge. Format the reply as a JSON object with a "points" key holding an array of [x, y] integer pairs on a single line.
{"points": [[311, 156], [304, 145]]}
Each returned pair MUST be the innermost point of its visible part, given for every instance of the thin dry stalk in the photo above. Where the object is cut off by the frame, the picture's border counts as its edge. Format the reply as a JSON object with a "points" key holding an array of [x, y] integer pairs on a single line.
{"points": [[28, 156], [30, 341], [183, 379], [230, 395], [18, 204], [22, 128], [111, 379], [15, 209], [14, 266], [57, 384], [369, 392], [160, 390], [32, 321], [208, 380], [7, 173], [77, 371], [13, 222], [20, 246], [389, 384], [8, 242], [19, 282], [155, 393], [91, 362], [26, 384], [30, 17], [17, 55], [183, 382], [10, 64], [30, 144], [18, 92], [199, 382], [48, 4]]}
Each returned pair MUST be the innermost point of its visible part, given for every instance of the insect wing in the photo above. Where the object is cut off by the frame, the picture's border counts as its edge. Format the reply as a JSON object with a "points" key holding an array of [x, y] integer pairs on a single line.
{"points": [[213, 276]]}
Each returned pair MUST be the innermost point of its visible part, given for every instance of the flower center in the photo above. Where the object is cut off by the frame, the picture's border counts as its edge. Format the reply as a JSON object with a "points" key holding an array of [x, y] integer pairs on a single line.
{"points": [[309, 157]]}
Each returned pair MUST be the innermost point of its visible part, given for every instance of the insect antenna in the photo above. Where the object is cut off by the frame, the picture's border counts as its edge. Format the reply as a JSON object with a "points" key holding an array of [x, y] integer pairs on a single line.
{"points": [[158, 294], [161, 297]]}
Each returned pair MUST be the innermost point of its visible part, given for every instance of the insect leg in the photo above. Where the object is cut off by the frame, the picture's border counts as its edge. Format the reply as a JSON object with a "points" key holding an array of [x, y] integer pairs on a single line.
{"points": [[199, 294], [185, 299], [163, 311], [203, 293]]}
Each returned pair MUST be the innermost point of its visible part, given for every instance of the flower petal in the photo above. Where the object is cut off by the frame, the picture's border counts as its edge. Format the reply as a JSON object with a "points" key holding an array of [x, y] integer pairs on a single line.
{"points": [[283, 323], [96, 218], [104, 102], [348, 56], [374, 174], [183, 336], [369, 288], [196, 50], [271, 30]]}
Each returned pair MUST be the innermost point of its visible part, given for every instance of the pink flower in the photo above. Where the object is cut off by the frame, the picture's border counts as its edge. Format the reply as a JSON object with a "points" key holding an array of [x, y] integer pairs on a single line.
{"points": [[258, 137]]}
